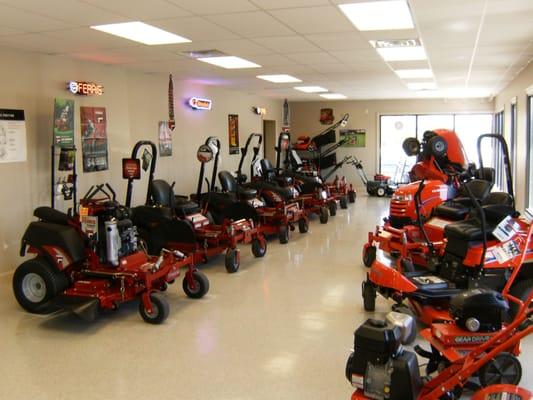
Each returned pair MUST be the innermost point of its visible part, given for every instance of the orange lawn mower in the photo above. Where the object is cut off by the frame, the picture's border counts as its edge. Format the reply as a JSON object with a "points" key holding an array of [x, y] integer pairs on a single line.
{"points": [[441, 160], [173, 222], [491, 249], [475, 351]]}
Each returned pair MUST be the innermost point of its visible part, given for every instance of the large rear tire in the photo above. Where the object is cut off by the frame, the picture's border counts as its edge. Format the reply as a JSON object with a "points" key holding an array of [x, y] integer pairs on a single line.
{"points": [[283, 234], [35, 283], [303, 225]]}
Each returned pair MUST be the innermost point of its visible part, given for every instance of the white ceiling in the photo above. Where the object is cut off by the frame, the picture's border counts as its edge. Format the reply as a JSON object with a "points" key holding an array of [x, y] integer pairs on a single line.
{"points": [[478, 45]]}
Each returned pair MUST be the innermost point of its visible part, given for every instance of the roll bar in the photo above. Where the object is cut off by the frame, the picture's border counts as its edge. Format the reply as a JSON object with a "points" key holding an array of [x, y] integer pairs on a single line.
{"points": [[134, 154], [244, 151]]}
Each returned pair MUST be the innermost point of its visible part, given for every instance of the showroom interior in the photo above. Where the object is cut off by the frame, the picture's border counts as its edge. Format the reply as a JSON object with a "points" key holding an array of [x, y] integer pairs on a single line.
{"points": [[266, 199]]}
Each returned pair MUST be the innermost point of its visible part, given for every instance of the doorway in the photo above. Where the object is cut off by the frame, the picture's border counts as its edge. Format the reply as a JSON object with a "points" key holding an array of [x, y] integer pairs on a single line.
{"points": [[269, 139]]}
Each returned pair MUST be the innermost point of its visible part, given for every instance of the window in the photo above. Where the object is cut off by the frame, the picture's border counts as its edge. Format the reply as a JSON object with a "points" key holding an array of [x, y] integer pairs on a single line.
{"points": [[512, 138], [395, 128], [529, 180], [498, 128]]}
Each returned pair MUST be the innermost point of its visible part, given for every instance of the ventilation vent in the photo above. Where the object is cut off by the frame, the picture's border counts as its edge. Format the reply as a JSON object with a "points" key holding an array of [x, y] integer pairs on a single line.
{"points": [[387, 44]]}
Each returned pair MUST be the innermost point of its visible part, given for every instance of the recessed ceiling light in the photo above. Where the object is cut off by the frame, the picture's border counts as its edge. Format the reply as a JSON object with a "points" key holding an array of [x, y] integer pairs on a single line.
{"points": [[414, 73], [311, 89], [422, 85], [402, 53], [333, 96], [280, 78], [141, 32], [379, 15], [229, 62]]}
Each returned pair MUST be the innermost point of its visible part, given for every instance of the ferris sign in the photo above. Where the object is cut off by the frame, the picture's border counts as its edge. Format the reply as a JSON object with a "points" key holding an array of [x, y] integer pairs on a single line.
{"points": [[85, 88]]}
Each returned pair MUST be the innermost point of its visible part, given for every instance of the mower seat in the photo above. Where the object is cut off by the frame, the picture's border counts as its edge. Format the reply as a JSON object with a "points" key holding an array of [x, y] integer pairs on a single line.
{"points": [[458, 208], [229, 184], [163, 195], [49, 214], [284, 192]]}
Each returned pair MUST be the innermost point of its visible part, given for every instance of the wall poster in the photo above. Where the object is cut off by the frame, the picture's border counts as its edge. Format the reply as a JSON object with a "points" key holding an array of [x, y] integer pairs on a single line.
{"points": [[326, 116], [233, 133], [94, 138], [353, 137], [12, 136], [165, 139], [63, 123]]}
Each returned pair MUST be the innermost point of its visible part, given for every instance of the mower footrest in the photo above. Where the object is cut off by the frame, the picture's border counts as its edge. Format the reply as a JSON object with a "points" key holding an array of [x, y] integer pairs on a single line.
{"points": [[84, 307]]}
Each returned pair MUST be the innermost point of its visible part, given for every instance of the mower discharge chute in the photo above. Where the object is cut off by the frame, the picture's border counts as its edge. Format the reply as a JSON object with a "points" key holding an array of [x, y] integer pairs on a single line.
{"points": [[94, 261], [175, 222], [490, 249]]}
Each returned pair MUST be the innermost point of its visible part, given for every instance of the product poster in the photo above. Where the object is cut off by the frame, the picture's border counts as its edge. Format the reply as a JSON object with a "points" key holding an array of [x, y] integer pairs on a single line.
{"points": [[165, 139], [233, 133], [12, 136], [326, 116], [353, 137], [64, 123], [94, 138]]}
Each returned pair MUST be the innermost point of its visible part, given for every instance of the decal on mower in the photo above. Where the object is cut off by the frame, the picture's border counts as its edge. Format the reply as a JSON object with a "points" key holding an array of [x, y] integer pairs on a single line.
{"points": [[471, 339]]}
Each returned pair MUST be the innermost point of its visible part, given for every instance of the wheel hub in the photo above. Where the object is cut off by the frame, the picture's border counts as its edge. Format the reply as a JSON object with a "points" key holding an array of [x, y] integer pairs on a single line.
{"points": [[34, 287]]}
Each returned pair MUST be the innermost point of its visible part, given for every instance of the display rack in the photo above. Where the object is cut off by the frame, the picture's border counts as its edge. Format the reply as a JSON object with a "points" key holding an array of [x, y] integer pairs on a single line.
{"points": [[63, 176]]}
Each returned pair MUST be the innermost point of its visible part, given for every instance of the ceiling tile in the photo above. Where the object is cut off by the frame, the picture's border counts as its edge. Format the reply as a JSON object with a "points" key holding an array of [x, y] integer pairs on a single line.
{"points": [[251, 24], [127, 55], [339, 41], [195, 28], [141, 10], [209, 7], [272, 60], [314, 19], [276, 4], [15, 18], [84, 38], [287, 44], [73, 12], [313, 58]]}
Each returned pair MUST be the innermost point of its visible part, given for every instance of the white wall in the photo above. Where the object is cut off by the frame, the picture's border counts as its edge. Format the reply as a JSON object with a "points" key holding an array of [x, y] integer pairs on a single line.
{"points": [[364, 114], [134, 102]]}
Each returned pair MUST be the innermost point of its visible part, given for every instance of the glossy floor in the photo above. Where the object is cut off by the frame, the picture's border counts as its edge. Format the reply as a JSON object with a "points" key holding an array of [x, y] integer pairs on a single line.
{"points": [[281, 328]]}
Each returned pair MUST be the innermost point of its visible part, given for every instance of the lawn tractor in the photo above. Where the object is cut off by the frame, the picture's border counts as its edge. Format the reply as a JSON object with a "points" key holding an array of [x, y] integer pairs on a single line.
{"points": [[475, 351], [170, 221], [94, 261]]}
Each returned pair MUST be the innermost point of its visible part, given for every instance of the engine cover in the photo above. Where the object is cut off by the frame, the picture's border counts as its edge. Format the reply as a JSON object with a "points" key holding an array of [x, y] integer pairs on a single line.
{"points": [[479, 310]]}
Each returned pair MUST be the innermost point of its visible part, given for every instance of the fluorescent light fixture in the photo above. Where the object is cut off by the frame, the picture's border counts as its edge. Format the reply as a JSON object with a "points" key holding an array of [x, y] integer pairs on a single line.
{"points": [[414, 73], [229, 62], [333, 96], [311, 89], [422, 85], [280, 78], [402, 53], [379, 15], [141, 32]]}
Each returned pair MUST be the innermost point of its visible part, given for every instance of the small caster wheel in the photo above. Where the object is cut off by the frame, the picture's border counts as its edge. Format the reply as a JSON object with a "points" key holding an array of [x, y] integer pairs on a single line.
{"points": [[380, 192], [283, 234], [259, 247], [160, 310], [201, 285], [369, 255], [324, 216], [502, 369], [303, 225], [233, 260]]}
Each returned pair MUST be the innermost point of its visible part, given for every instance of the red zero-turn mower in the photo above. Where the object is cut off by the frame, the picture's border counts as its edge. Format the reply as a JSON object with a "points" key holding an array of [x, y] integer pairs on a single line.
{"points": [[93, 261], [476, 347], [276, 208], [169, 221], [314, 196], [491, 249], [440, 159]]}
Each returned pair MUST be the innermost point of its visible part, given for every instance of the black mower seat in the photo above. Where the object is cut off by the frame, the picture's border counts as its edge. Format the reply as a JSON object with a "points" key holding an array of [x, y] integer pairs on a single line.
{"points": [[285, 192], [163, 195], [49, 214], [451, 211], [184, 206], [229, 184], [458, 208]]}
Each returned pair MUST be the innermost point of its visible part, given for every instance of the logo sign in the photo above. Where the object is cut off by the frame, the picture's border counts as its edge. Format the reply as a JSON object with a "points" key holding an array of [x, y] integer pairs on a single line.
{"points": [[85, 88], [131, 168], [200, 104]]}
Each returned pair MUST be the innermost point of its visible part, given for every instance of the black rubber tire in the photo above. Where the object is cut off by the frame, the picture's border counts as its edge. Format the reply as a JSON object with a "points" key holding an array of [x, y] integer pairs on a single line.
{"points": [[232, 260], [202, 285], [504, 368], [55, 282], [520, 290], [351, 196], [160, 310], [343, 202], [303, 225], [369, 296], [369, 256], [259, 248], [283, 234], [324, 215], [381, 192], [332, 206], [348, 369]]}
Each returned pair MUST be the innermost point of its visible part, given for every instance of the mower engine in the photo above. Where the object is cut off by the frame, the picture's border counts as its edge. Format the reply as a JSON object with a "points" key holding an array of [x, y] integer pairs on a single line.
{"points": [[379, 365], [479, 310], [121, 239]]}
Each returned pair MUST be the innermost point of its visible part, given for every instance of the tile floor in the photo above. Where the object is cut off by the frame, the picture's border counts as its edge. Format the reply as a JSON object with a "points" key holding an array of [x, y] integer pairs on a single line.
{"points": [[281, 328]]}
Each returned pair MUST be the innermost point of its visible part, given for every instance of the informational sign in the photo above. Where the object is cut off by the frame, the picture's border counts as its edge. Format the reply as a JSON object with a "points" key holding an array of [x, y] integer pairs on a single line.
{"points": [[233, 133], [165, 139], [131, 168], [94, 138], [506, 229], [353, 137], [63, 123], [12, 136], [200, 104], [85, 88]]}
